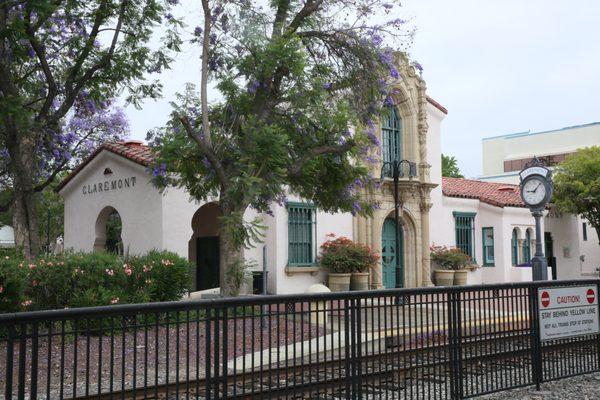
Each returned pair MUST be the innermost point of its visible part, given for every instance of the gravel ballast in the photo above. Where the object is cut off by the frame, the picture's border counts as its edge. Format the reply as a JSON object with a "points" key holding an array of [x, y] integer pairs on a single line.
{"points": [[583, 387]]}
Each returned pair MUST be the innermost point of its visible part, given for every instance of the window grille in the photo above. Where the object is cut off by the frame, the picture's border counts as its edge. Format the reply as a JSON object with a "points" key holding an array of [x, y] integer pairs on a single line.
{"points": [[488, 246], [301, 225], [515, 247], [527, 247], [465, 230], [391, 135]]}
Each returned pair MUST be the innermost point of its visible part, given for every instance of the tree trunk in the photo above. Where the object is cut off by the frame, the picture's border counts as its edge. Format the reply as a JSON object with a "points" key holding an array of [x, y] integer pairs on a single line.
{"points": [[25, 219], [231, 263]]}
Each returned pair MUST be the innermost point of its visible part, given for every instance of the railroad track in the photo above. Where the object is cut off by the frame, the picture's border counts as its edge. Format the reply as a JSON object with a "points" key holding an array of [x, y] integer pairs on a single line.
{"points": [[395, 368]]}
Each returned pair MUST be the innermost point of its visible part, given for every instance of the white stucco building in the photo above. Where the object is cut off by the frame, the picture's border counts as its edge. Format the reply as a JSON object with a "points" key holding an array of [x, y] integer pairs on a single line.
{"points": [[114, 180], [486, 220]]}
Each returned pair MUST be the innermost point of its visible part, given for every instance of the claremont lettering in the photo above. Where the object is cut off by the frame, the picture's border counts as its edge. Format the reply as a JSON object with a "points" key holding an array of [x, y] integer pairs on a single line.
{"points": [[107, 186]]}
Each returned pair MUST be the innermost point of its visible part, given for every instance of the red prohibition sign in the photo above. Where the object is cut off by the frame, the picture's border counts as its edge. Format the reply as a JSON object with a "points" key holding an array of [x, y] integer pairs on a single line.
{"points": [[545, 299], [591, 296]]}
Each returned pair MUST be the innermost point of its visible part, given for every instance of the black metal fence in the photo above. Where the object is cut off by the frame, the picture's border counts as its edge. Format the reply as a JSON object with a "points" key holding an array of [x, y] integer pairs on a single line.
{"points": [[426, 343]]}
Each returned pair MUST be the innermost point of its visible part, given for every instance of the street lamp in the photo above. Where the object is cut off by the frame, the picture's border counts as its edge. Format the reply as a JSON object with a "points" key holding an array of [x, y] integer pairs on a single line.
{"points": [[394, 170]]}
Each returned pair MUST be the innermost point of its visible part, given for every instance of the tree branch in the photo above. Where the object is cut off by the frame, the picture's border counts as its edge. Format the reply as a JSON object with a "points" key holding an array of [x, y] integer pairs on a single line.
{"points": [[206, 149], [309, 8], [297, 166], [204, 75], [280, 17]]}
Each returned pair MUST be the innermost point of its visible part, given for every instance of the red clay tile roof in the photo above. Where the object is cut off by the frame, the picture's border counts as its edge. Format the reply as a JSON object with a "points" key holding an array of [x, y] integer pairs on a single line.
{"points": [[496, 194], [133, 150], [437, 105]]}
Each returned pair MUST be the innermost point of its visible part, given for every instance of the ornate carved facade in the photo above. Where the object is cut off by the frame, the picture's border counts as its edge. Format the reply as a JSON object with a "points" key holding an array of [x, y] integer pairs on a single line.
{"points": [[411, 103]]}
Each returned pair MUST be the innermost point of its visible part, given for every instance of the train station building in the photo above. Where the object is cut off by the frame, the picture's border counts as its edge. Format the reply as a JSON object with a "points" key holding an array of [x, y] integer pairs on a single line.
{"points": [[481, 218]]}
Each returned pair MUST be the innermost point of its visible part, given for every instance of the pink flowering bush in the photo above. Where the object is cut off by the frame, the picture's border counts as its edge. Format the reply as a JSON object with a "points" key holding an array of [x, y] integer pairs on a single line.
{"points": [[450, 258], [342, 255], [80, 280]]}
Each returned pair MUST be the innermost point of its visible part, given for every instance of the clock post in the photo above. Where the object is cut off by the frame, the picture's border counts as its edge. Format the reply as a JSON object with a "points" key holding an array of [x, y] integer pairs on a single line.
{"points": [[536, 191]]}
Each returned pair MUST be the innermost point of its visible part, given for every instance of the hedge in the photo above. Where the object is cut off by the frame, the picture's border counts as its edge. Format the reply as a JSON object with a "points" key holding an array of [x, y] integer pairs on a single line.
{"points": [[91, 279]]}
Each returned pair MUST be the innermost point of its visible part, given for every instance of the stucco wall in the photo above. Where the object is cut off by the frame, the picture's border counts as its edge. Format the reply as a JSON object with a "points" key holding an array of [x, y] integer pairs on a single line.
{"points": [[590, 249], [502, 220], [7, 236], [283, 280], [138, 205], [434, 151]]}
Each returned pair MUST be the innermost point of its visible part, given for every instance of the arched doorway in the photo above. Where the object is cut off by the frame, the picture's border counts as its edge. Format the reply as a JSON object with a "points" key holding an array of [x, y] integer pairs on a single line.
{"points": [[203, 246], [108, 231], [388, 253]]}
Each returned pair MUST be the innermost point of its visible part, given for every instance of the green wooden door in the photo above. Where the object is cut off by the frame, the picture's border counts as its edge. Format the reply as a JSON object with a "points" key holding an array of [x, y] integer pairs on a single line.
{"points": [[388, 253]]}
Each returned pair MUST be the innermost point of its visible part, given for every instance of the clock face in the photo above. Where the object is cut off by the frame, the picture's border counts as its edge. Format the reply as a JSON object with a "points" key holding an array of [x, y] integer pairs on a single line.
{"points": [[534, 191]]}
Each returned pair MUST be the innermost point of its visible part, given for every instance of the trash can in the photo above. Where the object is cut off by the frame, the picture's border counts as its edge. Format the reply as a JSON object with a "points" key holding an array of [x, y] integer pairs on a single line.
{"points": [[257, 282]]}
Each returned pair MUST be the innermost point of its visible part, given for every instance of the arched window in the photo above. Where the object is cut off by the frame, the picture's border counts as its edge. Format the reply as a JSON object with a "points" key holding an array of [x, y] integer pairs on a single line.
{"points": [[515, 247], [527, 247], [391, 134]]}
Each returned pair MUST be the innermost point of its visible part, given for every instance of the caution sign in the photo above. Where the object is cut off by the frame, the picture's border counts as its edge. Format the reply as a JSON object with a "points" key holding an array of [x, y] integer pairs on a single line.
{"points": [[568, 311]]}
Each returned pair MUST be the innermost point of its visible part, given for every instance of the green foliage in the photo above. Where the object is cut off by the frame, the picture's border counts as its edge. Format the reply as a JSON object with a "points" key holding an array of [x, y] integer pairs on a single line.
{"points": [[342, 255], [114, 243], [450, 167], [91, 279], [577, 185], [451, 258]]}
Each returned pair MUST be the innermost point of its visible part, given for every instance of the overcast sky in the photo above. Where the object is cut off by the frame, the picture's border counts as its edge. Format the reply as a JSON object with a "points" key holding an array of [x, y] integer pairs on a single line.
{"points": [[498, 66]]}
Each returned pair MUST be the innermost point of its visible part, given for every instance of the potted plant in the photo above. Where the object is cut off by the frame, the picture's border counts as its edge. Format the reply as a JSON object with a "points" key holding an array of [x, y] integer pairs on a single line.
{"points": [[348, 263], [452, 264]]}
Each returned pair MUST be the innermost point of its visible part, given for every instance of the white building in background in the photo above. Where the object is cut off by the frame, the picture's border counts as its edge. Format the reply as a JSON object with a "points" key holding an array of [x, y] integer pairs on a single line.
{"points": [[571, 244], [7, 237]]}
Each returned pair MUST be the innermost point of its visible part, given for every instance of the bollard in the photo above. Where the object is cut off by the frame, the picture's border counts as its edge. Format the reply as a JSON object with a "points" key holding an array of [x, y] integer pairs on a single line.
{"points": [[318, 313]]}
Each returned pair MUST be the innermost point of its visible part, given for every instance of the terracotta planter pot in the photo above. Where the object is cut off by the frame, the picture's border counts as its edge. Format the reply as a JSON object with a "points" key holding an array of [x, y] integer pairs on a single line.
{"points": [[444, 277], [460, 277], [359, 281], [339, 282]]}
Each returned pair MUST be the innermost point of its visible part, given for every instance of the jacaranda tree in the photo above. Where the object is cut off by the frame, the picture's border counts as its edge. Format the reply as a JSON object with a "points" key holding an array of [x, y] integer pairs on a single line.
{"points": [[301, 84], [61, 64]]}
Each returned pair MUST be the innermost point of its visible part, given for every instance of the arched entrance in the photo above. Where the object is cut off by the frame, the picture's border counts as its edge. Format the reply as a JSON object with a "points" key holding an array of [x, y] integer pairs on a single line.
{"points": [[203, 246], [108, 231], [388, 253]]}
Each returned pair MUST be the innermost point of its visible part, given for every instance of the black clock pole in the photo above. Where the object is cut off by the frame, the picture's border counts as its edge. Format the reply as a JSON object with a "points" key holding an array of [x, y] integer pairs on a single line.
{"points": [[539, 264]]}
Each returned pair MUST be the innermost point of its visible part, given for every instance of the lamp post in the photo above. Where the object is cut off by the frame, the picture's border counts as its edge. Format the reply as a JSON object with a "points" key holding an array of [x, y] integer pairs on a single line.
{"points": [[394, 169]]}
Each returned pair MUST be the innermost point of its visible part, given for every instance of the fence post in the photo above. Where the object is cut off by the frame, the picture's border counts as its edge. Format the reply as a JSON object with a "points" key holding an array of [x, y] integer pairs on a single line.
{"points": [[347, 342], [10, 344], [454, 343], [536, 351], [358, 346], [207, 344]]}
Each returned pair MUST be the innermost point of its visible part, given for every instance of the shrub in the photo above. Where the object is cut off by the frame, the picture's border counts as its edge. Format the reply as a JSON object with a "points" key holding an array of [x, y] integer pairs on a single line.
{"points": [[91, 279], [342, 255], [450, 258]]}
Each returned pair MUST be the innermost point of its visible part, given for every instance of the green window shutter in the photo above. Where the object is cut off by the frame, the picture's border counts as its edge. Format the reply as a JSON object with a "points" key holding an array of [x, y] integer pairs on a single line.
{"points": [[391, 135], [515, 247], [465, 233], [488, 246], [527, 247], [301, 225]]}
